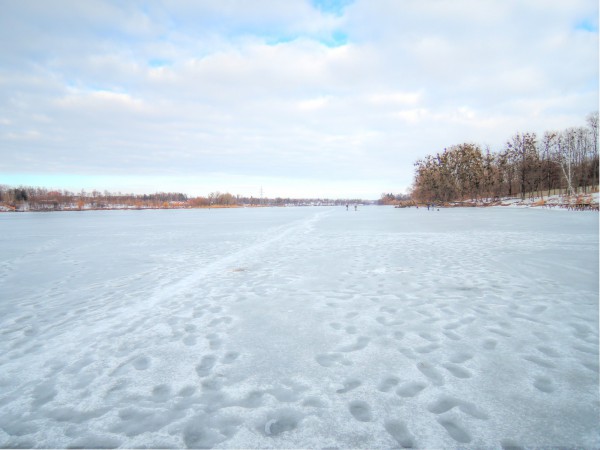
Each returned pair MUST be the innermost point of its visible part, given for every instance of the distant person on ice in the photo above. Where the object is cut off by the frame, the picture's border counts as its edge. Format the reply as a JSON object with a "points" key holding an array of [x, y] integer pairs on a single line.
{"points": [[355, 207]]}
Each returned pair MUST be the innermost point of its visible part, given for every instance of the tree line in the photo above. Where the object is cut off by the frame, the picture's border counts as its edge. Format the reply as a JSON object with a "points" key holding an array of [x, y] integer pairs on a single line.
{"points": [[37, 198], [393, 199], [558, 161], [42, 199]]}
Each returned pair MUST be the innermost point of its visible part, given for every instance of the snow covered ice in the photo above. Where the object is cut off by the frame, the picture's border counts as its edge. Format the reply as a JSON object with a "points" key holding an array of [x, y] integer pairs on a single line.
{"points": [[299, 327]]}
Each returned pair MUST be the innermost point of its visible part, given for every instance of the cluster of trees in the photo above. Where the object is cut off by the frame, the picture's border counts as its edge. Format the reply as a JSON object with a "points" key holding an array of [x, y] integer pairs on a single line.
{"points": [[391, 199], [527, 164], [36, 198], [227, 199]]}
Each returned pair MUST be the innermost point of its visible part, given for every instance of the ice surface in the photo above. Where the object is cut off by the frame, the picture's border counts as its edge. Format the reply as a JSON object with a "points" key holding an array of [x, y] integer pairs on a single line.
{"points": [[299, 327]]}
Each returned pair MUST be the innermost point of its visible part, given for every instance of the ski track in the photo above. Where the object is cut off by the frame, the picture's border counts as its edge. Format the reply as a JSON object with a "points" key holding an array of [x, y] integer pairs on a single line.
{"points": [[323, 328]]}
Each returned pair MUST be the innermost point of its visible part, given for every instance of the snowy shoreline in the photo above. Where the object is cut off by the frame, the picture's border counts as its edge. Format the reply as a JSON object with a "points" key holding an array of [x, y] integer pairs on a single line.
{"points": [[580, 202]]}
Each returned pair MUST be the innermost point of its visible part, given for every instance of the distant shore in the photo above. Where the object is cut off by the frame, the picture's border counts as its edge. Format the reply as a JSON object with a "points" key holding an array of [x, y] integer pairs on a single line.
{"points": [[120, 208], [22, 208]]}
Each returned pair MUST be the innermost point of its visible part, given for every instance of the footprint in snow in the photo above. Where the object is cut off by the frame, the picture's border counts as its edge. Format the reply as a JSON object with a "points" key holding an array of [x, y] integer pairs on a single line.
{"points": [[230, 357], [398, 430], [410, 388], [349, 384], [360, 343], [445, 403], [455, 430], [431, 372], [460, 357], [388, 383], [457, 371], [141, 363], [490, 344], [281, 421], [206, 365], [360, 410], [544, 384], [329, 359]]}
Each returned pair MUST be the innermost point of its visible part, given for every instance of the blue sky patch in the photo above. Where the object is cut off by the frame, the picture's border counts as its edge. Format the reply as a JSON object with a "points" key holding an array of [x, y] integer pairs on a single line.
{"points": [[156, 63], [331, 6], [337, 39], [276, 40], [587, 25]]}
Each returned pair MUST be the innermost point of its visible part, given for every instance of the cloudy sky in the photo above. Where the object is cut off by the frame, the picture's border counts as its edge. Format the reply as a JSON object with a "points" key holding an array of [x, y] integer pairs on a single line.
{"points": [[306, 98]]}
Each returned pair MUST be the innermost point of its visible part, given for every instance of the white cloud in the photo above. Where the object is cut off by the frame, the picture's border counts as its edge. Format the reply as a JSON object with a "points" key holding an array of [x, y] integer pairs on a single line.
{"points": [[395, 98], [314, 104], [101, 100]]}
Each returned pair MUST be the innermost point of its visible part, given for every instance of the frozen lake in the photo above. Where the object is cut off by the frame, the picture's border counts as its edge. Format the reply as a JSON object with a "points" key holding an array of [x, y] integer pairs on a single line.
{"points": [[299, 327]]}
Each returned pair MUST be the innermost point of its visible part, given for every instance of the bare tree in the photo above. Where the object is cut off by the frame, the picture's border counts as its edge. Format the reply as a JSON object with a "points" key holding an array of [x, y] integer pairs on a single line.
{"points": [[548, 148], [565, 156], [522, 149], [592, 121]]}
